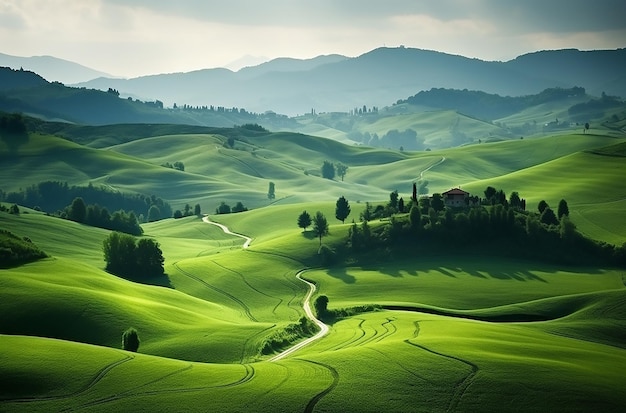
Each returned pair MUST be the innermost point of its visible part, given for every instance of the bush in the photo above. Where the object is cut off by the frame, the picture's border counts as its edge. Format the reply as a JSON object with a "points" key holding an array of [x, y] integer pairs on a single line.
{"points": [[130, 340]]}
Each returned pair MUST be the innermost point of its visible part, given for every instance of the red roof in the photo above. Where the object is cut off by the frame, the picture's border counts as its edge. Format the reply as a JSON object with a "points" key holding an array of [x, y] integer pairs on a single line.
{"points": [[456, 191]]}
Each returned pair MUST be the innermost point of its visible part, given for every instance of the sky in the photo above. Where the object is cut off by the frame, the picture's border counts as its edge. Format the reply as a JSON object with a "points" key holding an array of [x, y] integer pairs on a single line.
{"points": [[131, 38]]}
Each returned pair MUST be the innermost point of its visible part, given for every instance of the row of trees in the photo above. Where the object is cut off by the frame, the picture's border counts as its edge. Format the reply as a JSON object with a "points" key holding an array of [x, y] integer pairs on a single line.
{"points": [[135, 260], [53, 196], [224, 208], [96, 216], [186, 212], [178, 165]]}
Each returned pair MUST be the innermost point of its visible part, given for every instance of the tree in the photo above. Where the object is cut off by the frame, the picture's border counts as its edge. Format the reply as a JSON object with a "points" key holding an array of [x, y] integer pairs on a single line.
{"points": [[393, 200], [187, 210], [586, 127], [119, 253], [224, 208], [437, 202], [490, 192], [149, 258], [548, 217], [563, 209], [304, 220], [342, 209], [78, 210], [415, 218], [328, 170], [130, 340], [271, 191], [197, 210], [154, 213], [321, 305], [400, 205], [320, 225], [542, 206], [239, 207], [514, 200], [178, 214], [341, 170], [414, 195]]}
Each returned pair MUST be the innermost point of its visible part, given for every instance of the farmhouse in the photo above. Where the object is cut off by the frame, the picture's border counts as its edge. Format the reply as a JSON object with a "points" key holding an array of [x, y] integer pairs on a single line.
{"points": [[456, 198]]}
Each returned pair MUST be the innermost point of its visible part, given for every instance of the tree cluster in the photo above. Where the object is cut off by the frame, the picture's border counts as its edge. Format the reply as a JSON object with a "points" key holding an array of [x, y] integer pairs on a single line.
{"points": [[13, 130], [224, 208], [186, 212], [54, 196], [176, 165], [136, 261], [501, 228], [16, 251], [96, 216], [329, 170]]}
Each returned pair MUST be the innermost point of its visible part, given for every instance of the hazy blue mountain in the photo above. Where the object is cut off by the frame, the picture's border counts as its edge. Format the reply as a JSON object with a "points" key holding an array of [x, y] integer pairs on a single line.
{"points": [[52, 68], [376, 78]]}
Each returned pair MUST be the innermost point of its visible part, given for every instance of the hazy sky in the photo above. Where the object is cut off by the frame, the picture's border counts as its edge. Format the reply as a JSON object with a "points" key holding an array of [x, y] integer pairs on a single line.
{"points": [[138, 37]]}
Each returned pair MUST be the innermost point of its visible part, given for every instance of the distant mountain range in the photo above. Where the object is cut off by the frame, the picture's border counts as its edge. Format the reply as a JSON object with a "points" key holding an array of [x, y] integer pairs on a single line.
{"points": [[52, 68], [339, 83], [377, 78]]}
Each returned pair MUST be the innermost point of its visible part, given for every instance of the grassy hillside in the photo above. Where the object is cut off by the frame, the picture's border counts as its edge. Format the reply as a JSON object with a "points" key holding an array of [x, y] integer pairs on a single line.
{"points": [[459, 332]]}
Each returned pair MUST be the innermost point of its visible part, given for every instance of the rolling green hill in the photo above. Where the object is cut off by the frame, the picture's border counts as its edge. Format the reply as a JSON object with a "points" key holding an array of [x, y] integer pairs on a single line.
{"points": [[454, 332]]}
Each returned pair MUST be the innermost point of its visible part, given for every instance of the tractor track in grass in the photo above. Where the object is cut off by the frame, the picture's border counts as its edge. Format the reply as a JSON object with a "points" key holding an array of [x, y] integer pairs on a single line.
{"points": [[243, 305], [248, 376], [411, 372], [461, 387], [306, 305], [243, 278], [319, 396], [100, 374], [352, 339]]}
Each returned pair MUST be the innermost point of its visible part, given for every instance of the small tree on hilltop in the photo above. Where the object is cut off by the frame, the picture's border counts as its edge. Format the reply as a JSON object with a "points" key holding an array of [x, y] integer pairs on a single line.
{"points": [[342, 209], [304, 220], [320, 225], [271, 191], [130, 340], [197, 210]]}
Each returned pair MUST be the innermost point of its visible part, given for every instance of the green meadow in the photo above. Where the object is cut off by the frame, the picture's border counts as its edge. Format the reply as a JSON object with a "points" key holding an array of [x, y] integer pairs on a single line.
{"points": [[452, 331]]}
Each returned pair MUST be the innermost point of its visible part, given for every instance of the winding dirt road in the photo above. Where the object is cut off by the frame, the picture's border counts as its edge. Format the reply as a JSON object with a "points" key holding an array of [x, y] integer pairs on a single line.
{"points": [[306, 305]]}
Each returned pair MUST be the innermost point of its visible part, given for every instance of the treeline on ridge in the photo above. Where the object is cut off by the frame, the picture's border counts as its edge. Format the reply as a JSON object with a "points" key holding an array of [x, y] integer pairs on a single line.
{"points": [[493, 225], [487, 105], [55, 196]]}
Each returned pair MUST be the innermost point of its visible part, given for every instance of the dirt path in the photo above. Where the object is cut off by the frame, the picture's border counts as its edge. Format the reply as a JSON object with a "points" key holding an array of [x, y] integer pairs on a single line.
{"points": [[306, 304]]}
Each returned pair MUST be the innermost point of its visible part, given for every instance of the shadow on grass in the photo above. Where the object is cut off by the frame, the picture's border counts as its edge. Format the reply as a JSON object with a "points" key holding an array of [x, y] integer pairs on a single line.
{"points": [[342, 274], [309, 234], [159, 280]]}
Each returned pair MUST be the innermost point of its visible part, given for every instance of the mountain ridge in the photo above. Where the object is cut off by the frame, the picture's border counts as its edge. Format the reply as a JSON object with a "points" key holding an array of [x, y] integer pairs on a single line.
{"points": [[377, 78]]}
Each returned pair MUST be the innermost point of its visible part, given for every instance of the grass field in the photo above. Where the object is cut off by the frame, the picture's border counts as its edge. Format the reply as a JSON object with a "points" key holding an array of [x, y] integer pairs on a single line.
{"points": [[455, 332]]}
